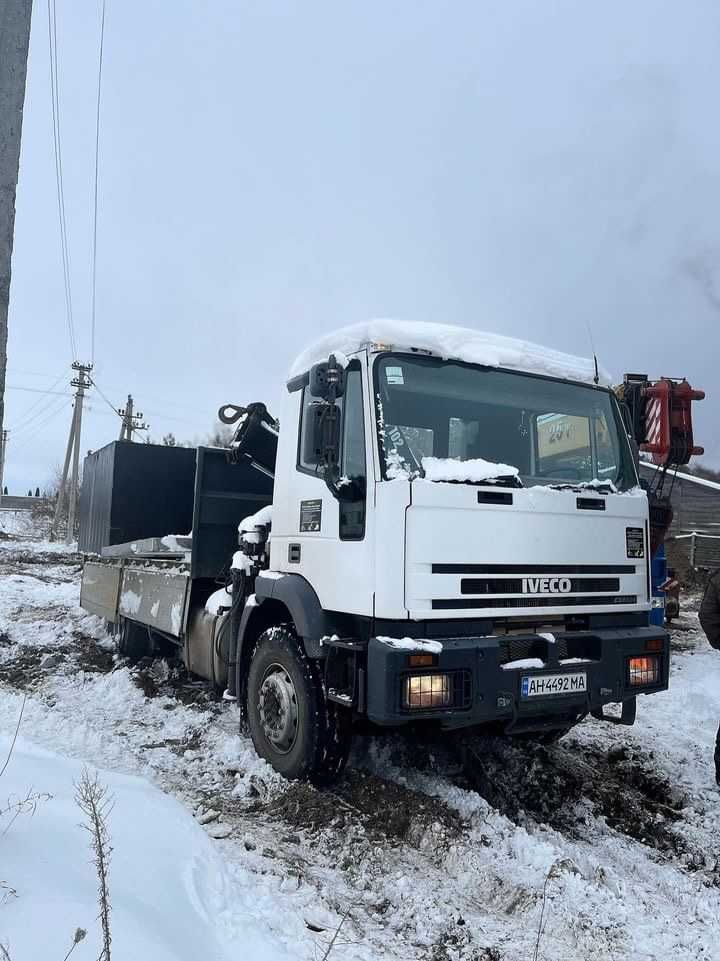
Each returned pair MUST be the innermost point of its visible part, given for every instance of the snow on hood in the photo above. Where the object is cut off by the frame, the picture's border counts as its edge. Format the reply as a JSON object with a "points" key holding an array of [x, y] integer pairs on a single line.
{"points": [[455, 343], [474, 470]]}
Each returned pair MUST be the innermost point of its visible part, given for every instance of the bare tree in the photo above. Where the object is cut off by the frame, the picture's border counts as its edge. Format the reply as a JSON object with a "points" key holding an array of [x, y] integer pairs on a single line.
{"points": [[96, 804]]}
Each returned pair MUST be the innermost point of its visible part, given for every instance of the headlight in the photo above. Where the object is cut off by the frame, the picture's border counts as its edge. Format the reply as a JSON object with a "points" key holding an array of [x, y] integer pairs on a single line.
{"points": [[422, 691], [643, 671]]}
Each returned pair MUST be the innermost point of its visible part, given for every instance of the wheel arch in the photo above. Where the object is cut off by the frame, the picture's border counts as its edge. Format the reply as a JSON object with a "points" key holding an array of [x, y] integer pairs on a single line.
{"points": [[286, 600], [302, 604]]}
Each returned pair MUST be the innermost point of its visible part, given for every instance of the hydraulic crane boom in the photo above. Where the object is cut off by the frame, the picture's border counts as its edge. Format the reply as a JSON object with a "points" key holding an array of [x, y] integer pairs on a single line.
{"points": [[659, 414]]}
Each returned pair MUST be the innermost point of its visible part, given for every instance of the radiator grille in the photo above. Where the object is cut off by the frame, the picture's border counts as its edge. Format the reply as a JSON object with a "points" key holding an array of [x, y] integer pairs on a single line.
{"points": [[559, 600], [504, 585], [554, 569]]}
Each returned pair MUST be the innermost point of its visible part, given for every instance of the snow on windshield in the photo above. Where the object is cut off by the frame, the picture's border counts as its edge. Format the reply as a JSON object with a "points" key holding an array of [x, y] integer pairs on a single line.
{"points": [[456, 343], [451, 469]]}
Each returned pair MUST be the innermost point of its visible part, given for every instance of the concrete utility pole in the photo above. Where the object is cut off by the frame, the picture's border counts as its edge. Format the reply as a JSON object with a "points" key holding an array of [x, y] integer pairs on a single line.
{"points": [[14, 43], [130, 421], [69, 491]]}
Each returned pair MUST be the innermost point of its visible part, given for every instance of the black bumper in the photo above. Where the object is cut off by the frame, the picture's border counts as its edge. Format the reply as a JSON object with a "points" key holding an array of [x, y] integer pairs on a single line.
{"points": [[487, 688]]}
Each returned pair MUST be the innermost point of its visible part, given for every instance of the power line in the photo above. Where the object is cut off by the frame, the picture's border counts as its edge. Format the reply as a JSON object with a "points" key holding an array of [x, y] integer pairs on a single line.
{"points": [[95, 204], [54, 95], [39, 400], [36, 390], [41, 412], [107, 401], [38, 429]]}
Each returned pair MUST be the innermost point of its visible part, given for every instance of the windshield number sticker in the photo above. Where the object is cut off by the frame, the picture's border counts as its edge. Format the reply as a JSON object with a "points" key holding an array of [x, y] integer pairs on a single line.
{"points": [[394, 375]]}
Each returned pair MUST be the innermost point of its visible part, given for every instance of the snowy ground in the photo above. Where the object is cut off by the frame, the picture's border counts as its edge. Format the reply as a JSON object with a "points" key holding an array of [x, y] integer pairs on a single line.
{"points": [[610, 839]]}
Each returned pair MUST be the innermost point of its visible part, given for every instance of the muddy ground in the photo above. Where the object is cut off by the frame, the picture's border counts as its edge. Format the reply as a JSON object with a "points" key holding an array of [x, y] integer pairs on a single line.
{"points": [[577, 790]]}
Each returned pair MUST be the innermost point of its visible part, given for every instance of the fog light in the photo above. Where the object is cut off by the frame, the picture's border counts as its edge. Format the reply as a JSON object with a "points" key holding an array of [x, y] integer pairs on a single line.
{"points": [[426, 691], [643, 670]]}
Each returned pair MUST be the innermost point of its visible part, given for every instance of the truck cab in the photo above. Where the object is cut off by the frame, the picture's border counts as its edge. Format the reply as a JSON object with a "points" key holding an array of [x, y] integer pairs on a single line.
{"points": [[470, 548]]}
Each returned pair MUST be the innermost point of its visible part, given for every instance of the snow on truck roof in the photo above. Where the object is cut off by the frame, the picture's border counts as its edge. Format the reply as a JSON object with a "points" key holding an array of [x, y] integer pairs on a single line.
{"points": [[451, 343]]}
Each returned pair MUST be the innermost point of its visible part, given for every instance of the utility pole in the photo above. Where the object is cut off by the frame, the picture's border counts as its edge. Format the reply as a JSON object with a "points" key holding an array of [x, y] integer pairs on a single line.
{"points": [[81, 381], [3, 445], [14, 43], [130, 421]]}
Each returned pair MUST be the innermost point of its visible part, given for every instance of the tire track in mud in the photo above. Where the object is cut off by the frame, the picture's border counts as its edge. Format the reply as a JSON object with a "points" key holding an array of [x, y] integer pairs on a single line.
{"points": [[569, 787]]}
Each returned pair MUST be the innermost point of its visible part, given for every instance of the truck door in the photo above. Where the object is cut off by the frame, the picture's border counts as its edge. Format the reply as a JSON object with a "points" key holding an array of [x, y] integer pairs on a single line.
{"points": [[320, 536]]}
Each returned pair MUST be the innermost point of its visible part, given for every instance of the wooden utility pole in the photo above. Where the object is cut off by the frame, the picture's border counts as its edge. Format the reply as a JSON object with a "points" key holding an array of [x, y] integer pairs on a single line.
{"points": [[69, 491], [130, 421], [14, 43]]}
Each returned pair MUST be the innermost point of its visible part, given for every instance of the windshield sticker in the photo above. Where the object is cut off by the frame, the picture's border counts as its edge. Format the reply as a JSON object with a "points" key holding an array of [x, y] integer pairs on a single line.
{"points": [[394, 375]]}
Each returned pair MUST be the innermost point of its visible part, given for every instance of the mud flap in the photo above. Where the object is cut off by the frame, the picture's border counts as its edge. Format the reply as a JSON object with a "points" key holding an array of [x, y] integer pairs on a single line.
{"points": [[629, 710]]}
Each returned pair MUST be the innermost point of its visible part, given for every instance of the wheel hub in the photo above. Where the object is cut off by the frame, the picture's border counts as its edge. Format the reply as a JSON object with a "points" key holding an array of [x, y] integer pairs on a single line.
{"points": [[277, 708]]}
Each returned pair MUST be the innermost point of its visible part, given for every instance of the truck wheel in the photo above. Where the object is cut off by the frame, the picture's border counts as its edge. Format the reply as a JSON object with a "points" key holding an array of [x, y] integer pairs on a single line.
{"points": [[291, 723], [133, 641]]}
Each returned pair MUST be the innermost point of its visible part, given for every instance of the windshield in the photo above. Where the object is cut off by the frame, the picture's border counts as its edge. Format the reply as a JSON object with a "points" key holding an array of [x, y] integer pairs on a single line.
{"points": [[548, 432]]}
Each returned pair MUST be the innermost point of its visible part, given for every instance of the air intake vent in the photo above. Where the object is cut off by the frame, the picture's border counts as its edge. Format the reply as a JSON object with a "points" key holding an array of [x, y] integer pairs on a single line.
{"points": [[590, 504], [555, 569], [449, 604], [503, 585]]}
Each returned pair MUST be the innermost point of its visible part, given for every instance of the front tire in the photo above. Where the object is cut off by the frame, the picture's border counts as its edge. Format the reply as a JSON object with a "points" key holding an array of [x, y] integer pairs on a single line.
{"points": [[292, 724]]}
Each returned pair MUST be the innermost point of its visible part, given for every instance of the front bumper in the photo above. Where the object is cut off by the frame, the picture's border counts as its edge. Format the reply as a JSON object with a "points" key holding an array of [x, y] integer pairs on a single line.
{"points": [[487, 688]]}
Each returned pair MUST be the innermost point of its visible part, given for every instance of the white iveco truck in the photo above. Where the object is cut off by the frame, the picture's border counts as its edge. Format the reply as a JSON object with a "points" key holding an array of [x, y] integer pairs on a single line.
{"points": [[448, 529]]}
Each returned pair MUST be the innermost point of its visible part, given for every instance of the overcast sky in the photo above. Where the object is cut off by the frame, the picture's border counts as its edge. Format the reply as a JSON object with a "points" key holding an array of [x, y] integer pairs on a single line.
{"points": [[272, 170]]}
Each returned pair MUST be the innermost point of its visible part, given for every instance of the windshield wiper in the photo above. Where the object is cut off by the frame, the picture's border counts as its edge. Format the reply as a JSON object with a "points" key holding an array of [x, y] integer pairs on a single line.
{"points": [[602, 488], [503, 480]]}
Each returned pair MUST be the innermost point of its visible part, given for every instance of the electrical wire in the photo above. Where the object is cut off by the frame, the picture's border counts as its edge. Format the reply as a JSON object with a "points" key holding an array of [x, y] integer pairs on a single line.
{"points": [[36, 390], [43, 416], [95, 202], [110, 404], [30, 438], [39, 414], [54, 94], [36, 403]]}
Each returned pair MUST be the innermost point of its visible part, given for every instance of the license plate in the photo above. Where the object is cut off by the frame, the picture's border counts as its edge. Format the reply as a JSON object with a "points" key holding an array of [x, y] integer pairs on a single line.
{"points": [[544, 685]]}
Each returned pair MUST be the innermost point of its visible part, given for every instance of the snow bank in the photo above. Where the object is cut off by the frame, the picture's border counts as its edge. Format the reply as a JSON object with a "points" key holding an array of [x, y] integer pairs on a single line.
{"points": [[412, 644], [477, 470], [173, 898], [456, 343]]}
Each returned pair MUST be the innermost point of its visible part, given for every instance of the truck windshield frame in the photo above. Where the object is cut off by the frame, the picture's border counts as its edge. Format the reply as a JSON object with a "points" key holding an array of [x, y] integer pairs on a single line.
{"points": [[556, 432]]}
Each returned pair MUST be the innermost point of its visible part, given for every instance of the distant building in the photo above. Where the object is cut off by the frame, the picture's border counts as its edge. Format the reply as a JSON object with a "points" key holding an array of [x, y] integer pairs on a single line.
{"points": [[695, 532]]}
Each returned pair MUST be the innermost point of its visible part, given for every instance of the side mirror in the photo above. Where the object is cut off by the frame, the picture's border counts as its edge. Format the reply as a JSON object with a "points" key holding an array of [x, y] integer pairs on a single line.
{"points": [[327, 381], [321, 438]]}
